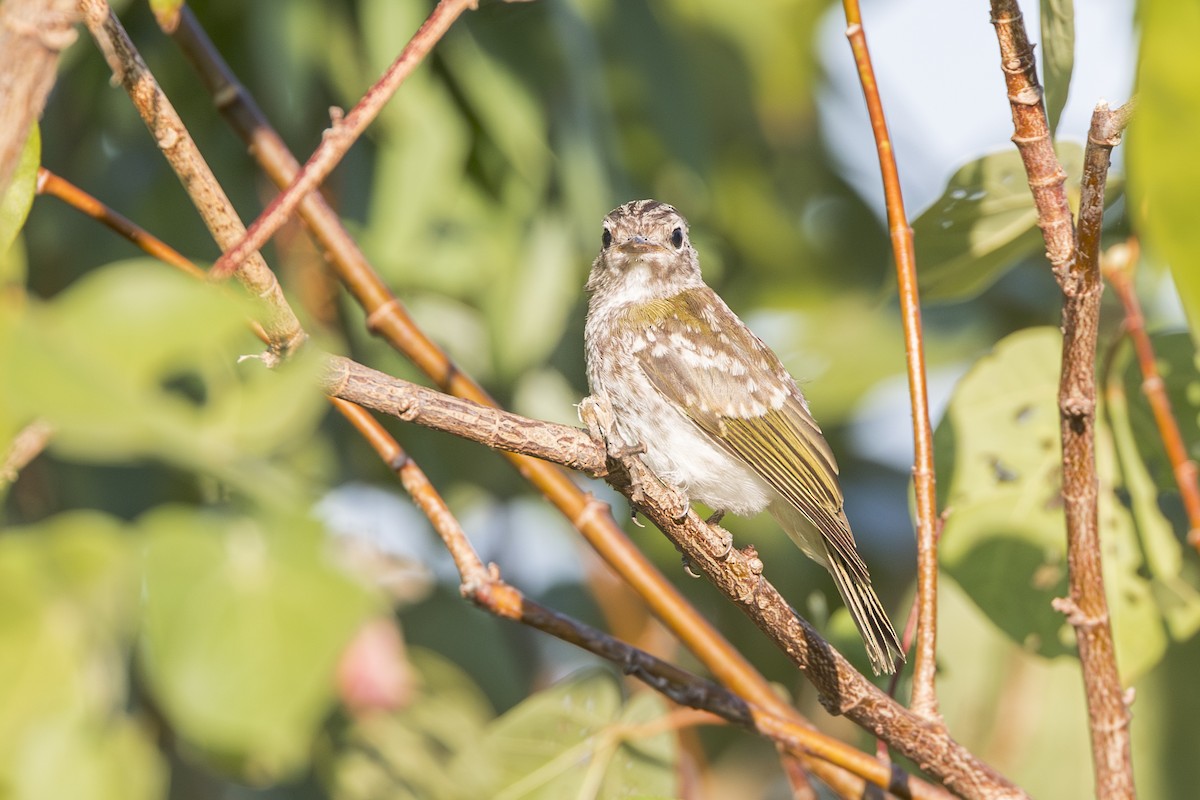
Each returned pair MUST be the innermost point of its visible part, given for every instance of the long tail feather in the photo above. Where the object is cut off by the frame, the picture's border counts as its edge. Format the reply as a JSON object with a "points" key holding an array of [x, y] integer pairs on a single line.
{"points": [[883, 646]]}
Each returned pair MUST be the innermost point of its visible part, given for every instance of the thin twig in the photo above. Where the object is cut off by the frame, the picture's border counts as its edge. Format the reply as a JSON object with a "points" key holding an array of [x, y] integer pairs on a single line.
{"points": [[342, 134], [924, 694], [1075, 261], [52, 185], [176, 143], [32, 34], [1117, 264], [738, 574]]}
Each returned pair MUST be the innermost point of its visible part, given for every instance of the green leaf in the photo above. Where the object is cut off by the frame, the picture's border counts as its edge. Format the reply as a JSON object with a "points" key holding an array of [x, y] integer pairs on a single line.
{"points": [[983, 224], [109, 760], [1058, 55], [68, 600], [573, 740], [1163, 175], [244, 622], [530, 309], [17, 198], [135, 361], [1004, 540], [1178, 599], [408, 754]]}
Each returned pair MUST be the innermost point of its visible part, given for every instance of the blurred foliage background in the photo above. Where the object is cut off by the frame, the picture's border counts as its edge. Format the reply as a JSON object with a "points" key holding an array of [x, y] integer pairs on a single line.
{"points": [[170, 618]]}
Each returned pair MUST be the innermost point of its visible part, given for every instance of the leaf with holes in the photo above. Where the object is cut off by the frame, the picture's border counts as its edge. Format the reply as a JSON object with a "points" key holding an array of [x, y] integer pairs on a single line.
{"points": [[1004, 540]]}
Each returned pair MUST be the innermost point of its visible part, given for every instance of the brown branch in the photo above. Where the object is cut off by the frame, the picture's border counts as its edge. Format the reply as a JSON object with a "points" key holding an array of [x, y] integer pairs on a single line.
{"points": [[1087, 607], [32, 34], [482, 585], [198, 180], [1117, 264], [924, 695], [738, 574], [338, 138], [1047, 178], [1075, 261]]}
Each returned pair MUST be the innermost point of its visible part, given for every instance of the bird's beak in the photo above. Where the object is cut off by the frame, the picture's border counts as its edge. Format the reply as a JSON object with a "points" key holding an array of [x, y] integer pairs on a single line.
{"points": [[638, 244]]}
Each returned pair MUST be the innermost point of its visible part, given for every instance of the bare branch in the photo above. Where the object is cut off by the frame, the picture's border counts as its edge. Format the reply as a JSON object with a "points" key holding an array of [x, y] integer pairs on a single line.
{"points": [[202, 187], [342, 134], [27, 445]]}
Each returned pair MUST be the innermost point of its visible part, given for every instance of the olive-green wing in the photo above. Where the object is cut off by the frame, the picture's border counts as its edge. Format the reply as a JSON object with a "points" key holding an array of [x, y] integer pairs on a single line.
{"points": [[701, 349]]}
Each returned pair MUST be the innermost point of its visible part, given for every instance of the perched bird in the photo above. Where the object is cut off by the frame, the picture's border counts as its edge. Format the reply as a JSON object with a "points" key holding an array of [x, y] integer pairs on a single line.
{"points": [[713, 410]]}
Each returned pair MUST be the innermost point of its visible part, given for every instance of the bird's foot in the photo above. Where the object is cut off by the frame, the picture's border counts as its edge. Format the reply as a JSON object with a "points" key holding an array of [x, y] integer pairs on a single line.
{"points": [[596, 414], [726, 538]]}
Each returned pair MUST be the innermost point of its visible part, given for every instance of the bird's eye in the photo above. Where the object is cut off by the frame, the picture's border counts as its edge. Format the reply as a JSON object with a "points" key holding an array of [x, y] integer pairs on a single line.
{"points": [[677, 238], [606, 238]]}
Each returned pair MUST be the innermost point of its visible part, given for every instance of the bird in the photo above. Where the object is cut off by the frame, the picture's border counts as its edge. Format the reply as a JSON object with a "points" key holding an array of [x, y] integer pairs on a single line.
{"points": [[677, 377]]}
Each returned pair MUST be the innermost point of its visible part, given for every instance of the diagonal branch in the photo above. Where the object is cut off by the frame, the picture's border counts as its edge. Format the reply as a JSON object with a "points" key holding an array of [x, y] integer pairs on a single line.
{"points": [[388, 318], [341, 136], [202, 187]]}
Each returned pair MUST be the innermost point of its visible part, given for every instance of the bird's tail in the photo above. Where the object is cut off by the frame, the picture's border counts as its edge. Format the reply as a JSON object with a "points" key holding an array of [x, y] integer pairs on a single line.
{"points": [[853, 583], [882, 643]]}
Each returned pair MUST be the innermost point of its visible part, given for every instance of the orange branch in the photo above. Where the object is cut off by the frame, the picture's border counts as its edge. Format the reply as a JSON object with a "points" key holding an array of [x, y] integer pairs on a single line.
{"points": [[1118, 264], [924, 694]]}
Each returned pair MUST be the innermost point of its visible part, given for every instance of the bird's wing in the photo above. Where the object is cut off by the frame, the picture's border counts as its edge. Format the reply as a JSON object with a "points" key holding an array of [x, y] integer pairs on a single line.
{"points": [[693, 352]]}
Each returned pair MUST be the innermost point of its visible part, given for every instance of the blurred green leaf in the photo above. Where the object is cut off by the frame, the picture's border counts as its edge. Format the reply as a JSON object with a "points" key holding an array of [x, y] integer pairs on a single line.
{"points": [[408, 754], [1058, 54], [983, 224], [68, 599], [1026, 713], [530, 309], [1163, 173], [508, 113], [1005, 539], [574, 740], [244, 622], [1139, 446], [17, 197], [135, 360], [111, 759]]}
